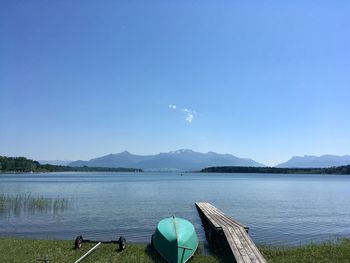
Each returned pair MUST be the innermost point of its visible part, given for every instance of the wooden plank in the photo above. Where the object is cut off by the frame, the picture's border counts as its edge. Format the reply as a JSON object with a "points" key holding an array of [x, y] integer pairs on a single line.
{"points": [[221, 221], [235, 250], [248, 244], [217, 218], [213, 208], [240, 244], [253, 247], [224, 220], [210, 219], [247, 248], [235, 233], [242, 252], [214, 221]]}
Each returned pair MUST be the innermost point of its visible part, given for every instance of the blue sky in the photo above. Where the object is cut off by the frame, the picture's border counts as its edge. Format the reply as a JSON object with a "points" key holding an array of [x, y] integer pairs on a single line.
{"points": [[260, 79]]}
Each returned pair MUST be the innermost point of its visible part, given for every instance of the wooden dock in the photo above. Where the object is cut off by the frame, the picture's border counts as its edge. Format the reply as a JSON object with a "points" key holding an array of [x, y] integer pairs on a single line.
{"points": [[228, 234]]}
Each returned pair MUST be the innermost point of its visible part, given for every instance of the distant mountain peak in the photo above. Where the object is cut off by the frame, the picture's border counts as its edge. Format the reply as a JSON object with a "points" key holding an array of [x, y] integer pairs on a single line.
{"points": [[182, 151], [312, 161], [125, 153], [182, 160]]}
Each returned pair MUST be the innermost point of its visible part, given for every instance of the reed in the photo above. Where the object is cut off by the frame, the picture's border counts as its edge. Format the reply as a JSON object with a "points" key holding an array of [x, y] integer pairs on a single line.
{"points": [[26, 203]]}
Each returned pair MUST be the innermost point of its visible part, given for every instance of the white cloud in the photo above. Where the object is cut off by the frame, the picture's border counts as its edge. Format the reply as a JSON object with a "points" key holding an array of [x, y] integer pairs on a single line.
{"points": [[189, 115]]}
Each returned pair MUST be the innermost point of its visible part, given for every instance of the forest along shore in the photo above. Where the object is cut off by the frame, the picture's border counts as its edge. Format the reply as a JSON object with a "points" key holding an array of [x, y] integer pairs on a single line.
{"points": [[272, 170], [24, 165]]}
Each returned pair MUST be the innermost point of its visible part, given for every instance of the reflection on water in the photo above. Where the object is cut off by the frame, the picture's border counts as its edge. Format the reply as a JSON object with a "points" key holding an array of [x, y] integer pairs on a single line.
{"points": [[278, 209], [17, 205]]}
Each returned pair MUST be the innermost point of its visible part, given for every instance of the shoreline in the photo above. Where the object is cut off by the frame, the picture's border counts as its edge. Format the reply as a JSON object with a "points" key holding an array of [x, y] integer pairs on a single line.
{"points": [[23, 250], [336, 170]]}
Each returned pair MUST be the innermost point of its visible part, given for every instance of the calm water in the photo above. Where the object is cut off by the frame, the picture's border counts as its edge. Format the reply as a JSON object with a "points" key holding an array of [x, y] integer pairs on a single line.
{"points": [[279, 209]]}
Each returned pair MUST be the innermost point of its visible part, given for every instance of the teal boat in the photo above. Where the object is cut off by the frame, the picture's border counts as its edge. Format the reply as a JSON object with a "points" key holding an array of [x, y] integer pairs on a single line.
{"points": [[175, 239]]}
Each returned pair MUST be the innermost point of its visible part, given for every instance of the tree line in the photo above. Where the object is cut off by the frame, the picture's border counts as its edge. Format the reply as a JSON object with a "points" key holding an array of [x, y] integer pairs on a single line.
{"points": [[22, 164], [272, 170]]}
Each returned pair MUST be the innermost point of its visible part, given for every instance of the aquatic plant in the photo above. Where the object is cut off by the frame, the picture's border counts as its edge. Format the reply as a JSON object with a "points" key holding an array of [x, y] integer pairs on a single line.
{"points": [[26, 203]]}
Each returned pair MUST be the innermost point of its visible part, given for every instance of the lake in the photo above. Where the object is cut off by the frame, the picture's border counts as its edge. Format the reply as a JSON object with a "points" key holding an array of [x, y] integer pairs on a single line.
{"points": [[279, 209]]}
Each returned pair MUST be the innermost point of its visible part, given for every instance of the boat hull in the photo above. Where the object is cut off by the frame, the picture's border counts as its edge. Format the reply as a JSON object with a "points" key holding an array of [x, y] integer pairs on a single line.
{"points": [[175, 239]]}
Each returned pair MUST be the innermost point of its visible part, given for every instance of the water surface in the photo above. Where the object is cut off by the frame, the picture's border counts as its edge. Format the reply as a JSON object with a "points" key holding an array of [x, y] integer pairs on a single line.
{"points": [[279, 209]]}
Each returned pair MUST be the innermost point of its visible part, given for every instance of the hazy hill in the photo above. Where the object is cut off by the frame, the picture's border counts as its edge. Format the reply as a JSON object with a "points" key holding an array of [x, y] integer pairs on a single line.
{"points": [[310, 161], [123, 159], [183, 160], [55, 162]]}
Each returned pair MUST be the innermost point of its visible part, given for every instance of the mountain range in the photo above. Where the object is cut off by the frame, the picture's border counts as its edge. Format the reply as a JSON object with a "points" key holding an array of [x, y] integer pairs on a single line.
{"points": [[310, 161], [188, 160], [180, 160]]}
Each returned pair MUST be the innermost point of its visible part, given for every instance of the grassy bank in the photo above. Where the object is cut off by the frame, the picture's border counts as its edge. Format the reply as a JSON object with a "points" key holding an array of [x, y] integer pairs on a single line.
{"points": [[321, 253], [22, 250]]}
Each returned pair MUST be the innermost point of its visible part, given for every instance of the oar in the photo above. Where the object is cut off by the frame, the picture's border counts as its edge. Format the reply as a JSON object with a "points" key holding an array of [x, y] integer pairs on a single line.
{"points": [[87, 253]]}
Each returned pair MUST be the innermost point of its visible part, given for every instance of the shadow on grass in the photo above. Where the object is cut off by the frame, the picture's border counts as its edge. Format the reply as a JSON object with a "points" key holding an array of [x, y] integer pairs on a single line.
{"points": [[199, 256], [153, 254]]}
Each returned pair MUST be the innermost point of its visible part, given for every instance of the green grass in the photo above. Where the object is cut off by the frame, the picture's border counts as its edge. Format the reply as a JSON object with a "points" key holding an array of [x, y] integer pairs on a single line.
{"points": [[321, 253], [23, 250]]}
